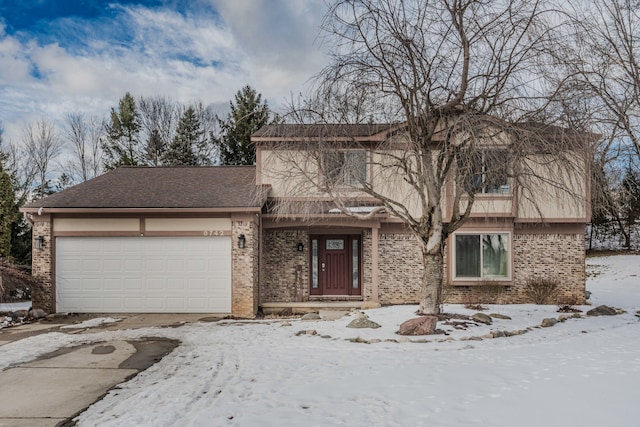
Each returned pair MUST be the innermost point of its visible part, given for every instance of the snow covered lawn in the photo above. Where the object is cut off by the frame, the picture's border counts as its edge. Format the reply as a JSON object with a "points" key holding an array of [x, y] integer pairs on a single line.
{"points": [[582, 372]]}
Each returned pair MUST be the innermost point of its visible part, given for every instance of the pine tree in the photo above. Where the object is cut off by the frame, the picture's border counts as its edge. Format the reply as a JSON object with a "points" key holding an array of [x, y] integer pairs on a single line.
{"points": [[123, 144], [631, 195], [189, 137], [8, 211], [248, 114]]}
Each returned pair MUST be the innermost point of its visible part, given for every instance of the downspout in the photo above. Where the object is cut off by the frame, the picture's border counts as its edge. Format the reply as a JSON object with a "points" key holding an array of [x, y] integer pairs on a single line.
{"points": [[259, 284]]}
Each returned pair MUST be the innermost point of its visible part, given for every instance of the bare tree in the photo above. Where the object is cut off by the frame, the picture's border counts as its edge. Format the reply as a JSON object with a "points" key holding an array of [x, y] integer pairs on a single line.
{"points": [[452, 77], [600, 64], [207, 151], [42, 146], [159, 117], [84, 135]]}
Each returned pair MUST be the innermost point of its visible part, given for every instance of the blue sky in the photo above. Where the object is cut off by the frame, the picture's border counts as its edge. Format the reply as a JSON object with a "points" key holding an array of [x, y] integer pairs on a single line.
{"points": [[63, 56]]}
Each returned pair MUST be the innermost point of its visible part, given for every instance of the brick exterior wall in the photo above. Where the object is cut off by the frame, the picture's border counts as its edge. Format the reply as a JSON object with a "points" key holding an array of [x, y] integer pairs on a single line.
{"points": [[42, 268], [556, 257], [367, 290], [285, 271], [559, 257], [285, 275], [399, 269], [245, 269]]}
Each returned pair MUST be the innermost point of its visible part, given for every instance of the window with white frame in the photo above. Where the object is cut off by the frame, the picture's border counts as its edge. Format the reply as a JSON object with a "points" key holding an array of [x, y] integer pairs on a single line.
{"points": [[489, 172], [345, 167], [482, 255]]}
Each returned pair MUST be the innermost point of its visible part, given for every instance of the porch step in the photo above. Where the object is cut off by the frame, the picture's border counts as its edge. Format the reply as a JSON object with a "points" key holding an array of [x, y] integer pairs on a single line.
{"points": [[308, 306]]}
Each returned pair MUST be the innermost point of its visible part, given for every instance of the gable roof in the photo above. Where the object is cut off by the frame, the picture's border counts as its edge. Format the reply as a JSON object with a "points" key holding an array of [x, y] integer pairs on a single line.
{"points": [[163, 187]]}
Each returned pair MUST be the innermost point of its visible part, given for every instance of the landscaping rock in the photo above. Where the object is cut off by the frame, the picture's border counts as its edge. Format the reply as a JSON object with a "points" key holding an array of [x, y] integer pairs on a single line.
{"points": [[359, 315], [602, 310], [499, 316], [423, 325], [548, 322], [362, 322], [307, 332], [311, 316], [19, 313], [482, 318], [36, 313]]}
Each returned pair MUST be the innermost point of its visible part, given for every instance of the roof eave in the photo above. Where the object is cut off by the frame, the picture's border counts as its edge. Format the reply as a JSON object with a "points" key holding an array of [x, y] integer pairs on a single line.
{"points": [[43, 210]]}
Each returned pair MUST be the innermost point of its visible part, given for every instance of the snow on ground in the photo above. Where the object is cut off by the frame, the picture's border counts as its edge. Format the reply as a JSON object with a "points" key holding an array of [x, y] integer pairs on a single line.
{"points": [[15, 306], [92, 323], [245, 373]]}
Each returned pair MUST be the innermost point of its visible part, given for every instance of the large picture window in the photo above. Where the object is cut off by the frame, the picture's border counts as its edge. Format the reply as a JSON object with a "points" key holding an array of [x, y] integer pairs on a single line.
{"points": [[348, 168], [482, 256]]}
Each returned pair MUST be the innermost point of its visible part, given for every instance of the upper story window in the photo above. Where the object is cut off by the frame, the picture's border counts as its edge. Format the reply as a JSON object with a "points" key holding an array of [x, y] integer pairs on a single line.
{"points": [[489, 172], [346, 167]]}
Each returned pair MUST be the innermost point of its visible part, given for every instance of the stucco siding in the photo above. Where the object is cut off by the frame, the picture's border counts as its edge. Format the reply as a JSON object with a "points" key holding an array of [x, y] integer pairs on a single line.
{"points": [[96, 224]]}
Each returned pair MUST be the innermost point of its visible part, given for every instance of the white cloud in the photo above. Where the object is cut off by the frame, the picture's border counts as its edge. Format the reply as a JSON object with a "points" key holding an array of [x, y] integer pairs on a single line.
{"points": [[280, 40], [199, 55]]}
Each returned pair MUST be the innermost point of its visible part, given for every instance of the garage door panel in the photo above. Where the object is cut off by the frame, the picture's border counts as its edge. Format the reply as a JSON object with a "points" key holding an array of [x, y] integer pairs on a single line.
{"points": [[146, 274]]}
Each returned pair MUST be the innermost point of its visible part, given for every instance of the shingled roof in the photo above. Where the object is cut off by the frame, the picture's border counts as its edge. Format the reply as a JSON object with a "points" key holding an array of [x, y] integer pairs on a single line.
{"points": [[322, 130], [163, 187]]}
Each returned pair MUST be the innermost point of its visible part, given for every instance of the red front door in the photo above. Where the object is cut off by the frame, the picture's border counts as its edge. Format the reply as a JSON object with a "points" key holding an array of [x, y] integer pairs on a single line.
{"points": [[335, 265]]}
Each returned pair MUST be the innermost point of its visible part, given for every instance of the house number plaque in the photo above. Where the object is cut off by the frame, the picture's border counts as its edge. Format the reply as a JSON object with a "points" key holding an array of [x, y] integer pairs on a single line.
{"points": [[213, 232]]}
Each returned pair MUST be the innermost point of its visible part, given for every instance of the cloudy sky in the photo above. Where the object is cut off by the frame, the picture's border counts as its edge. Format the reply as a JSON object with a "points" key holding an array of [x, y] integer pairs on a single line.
{"points": [[62, 56]]}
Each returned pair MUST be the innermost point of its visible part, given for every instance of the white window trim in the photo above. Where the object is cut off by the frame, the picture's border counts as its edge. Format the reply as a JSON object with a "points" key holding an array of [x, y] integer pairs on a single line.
{"points": [[507, 278]]}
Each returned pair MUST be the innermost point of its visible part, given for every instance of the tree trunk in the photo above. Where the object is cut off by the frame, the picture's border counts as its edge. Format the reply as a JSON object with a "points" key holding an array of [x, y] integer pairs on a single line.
{"points": [[430, 297]]}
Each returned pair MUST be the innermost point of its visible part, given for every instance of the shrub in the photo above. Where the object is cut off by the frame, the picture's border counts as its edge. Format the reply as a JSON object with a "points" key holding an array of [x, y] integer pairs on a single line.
{"points": [[490, 292], [541, 290], [16, 283], [566, 304]]}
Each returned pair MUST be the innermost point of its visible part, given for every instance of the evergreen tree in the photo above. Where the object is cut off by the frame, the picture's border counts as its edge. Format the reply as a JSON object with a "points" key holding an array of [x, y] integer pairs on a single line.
{"points": [[8, 211], [155, 148], [123, 143], [185, 145], [248, 114], [630, 201]]}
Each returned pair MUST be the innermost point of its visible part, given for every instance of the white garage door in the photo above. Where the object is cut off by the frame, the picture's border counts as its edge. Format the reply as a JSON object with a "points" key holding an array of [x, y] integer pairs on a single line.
{"points": [[143, 274]]}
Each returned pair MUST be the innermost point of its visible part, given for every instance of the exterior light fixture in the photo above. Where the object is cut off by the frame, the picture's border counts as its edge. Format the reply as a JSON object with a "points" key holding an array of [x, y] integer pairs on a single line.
{"points": [[39, 242], [242, 241], [300, 247]]}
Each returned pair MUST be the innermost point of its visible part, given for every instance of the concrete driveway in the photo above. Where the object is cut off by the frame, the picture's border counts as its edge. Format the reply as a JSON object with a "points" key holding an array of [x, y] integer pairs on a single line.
{"points": [[56, 387]]}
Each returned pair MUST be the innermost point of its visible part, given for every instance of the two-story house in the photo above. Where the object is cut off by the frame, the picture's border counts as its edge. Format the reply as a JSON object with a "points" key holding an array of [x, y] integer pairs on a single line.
{"points": [[298, 231]]}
